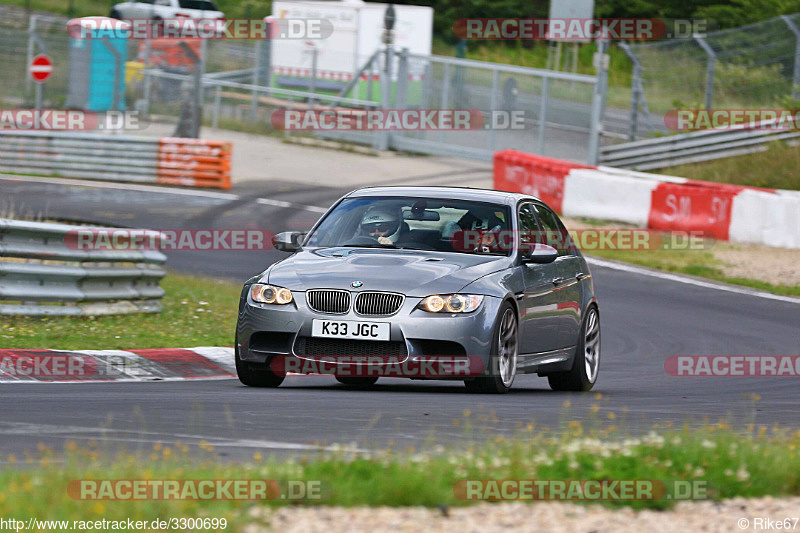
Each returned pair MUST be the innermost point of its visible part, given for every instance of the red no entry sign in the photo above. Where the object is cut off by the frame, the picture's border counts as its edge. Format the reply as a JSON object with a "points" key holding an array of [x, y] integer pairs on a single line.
{"points": [[40, 68]]}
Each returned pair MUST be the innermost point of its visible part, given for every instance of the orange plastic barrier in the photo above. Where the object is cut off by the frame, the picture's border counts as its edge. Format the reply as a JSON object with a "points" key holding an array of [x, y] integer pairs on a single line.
{"points": [[194, 162], [532, 174], [170, 53]]}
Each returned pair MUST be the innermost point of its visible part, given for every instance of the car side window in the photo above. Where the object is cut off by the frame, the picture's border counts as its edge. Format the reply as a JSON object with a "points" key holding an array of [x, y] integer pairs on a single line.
{"points": [[554, 233], [528, 227]]}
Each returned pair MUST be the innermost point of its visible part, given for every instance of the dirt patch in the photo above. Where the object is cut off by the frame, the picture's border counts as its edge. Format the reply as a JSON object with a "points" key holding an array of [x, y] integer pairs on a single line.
{"points": [[779, 266]]}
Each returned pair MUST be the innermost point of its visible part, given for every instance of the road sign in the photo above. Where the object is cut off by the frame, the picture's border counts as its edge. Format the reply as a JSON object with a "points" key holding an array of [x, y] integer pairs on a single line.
{"points": [[40, 68]]}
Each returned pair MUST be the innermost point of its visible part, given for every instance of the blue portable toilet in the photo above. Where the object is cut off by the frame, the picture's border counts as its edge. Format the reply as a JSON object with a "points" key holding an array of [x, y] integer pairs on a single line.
{"points": [[98, 50]]}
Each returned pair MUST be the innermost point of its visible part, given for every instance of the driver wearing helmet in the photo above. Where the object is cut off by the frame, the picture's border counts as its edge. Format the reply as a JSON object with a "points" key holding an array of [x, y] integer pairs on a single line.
{"points": [[382, 224]]}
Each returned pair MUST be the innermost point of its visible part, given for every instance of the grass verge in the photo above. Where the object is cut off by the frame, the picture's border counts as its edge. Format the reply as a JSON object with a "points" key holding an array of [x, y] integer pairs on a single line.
{"points": [[728, 464], [701, 263], [197, 312]]}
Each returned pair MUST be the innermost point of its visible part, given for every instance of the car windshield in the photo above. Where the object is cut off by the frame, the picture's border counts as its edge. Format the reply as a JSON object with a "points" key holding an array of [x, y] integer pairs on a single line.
{"points": [[206, 5], [415, 223]]}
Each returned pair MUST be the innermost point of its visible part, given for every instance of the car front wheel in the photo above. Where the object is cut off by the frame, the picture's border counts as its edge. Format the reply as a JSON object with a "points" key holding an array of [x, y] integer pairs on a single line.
{"points": [[503, 356], [586, 365], [253, 376]]}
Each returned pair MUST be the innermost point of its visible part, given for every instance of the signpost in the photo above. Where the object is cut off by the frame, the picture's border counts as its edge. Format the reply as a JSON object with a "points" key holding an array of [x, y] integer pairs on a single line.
{"points": [[40, 69]]}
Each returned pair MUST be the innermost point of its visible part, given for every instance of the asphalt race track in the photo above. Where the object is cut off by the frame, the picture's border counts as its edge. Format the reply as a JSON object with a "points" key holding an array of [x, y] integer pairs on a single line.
{"points": [[645, 319]]}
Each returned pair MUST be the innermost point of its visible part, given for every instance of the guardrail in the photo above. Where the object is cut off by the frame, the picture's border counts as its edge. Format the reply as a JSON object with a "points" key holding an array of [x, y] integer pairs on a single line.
{"points": [[40, 274], [174, 161], [693, 147]]}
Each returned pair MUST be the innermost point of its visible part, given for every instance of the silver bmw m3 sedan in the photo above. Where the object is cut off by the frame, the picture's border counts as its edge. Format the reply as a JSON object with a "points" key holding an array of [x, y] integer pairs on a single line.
{"points": [[425, 283]]}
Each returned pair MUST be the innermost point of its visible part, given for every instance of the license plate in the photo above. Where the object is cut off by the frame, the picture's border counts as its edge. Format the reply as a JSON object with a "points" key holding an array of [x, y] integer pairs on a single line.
{"points": [[350, 329]]}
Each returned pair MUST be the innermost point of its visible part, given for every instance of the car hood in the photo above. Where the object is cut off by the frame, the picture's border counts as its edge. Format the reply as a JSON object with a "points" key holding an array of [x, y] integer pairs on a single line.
{"points": [[413, 273]]}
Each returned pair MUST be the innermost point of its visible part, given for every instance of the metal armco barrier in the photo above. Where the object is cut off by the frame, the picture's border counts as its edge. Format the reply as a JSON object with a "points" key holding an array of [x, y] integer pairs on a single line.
{"points": [[172, 161], [692, 147], [41, 275]]}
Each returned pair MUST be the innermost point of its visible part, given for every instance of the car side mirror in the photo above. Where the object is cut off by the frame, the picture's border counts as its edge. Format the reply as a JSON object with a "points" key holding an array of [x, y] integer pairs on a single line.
{"points": [[540, 254], [288, 241]]}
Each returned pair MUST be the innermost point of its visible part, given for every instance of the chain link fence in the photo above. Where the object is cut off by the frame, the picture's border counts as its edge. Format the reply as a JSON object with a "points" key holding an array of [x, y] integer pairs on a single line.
{"points": [[754, 66]]}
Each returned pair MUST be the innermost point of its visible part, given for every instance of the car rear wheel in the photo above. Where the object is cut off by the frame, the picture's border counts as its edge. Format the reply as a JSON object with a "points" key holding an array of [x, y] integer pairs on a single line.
{"points": [[586, 365], [503, 356], [357, 381], [255, 376]]}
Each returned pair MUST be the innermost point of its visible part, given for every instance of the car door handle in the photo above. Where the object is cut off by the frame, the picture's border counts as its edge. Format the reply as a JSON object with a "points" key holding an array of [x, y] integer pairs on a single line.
{"points": [[558, 281], [581, 276]]}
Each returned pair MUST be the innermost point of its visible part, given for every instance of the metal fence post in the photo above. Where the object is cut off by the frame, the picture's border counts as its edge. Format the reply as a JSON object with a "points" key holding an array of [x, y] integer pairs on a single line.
{"points": [[596, 124], [636, 93], [386, 93], [266, 64], [217, 102], [148, 80], [445, 94], [401, 93], [370, 76], [543, 115], [313, 88], [796, 75], [711, 65], [31, 43], [426, 85], [493, 107], [198, 87], [256, 81]]}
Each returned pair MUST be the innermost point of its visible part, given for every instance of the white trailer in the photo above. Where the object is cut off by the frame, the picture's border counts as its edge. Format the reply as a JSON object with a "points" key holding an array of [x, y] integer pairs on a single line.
{"points": [[357, 35]]}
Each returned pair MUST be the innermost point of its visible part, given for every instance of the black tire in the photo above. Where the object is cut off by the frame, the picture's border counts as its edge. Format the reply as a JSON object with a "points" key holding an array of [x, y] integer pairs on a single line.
{"points": [[495, 383], [357, 381], [578, 378], [115, 14], [255, 376]]}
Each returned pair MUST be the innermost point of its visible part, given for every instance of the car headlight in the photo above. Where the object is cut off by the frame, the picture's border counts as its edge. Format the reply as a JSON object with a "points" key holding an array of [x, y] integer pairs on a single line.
{"points": [[269, 294], [451, 303]]}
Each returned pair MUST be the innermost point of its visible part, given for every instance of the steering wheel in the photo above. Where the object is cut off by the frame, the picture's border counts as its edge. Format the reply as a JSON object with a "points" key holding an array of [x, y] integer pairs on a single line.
{"points": [[362, 240]]}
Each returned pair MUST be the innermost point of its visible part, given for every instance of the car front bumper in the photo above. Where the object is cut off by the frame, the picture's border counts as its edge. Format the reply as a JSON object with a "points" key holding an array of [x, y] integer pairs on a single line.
{"points": [[265, 331]]}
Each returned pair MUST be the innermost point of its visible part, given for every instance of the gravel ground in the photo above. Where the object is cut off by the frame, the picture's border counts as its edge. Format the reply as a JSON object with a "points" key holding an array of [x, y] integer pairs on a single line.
{"points": [[773, 265], [541, 517]]}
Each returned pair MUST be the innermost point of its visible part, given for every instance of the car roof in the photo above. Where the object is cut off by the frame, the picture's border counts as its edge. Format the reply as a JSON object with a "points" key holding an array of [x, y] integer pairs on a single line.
{"points": [[449, 193]]}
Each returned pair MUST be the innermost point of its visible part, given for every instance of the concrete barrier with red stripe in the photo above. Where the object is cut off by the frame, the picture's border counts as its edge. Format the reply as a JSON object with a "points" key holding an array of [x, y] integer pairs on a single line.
{"points": [[60, 366], [729, 212]]}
